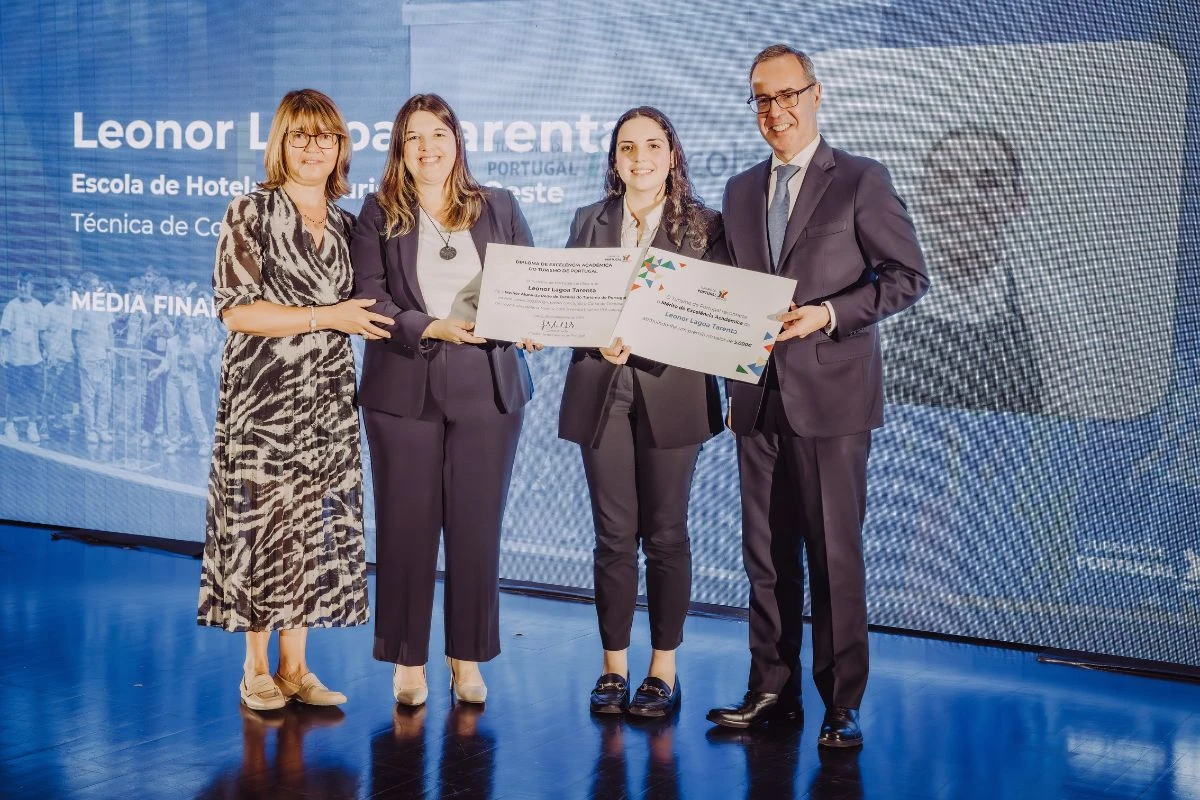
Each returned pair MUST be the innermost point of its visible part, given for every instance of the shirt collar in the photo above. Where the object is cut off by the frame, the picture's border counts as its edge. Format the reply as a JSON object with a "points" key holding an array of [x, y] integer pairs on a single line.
{"points": [[653, 216], [801, 159]]}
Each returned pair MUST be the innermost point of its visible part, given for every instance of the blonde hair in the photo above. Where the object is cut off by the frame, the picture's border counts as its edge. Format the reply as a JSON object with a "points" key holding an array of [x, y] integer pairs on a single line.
{"points": [[313, 112], [397, 195]]}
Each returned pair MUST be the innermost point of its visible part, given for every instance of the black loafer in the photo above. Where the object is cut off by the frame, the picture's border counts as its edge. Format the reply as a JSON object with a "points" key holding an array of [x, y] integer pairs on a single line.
{"points": [[611, 694], [840, 728], [757, 708], [654, 698]]}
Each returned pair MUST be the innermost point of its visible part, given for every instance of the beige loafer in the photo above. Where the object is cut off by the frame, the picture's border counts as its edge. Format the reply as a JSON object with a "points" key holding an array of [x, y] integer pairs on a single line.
{"points": [[413, 696], [309, 690], [466, 692], [261, 694]]}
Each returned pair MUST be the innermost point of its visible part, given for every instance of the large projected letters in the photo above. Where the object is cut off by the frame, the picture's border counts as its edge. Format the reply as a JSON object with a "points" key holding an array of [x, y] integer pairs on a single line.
{"points": [[1038, 475]]}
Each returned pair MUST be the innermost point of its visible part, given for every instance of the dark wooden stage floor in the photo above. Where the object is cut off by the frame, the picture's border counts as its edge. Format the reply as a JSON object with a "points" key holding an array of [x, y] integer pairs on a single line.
{"points": [[109, 690]]}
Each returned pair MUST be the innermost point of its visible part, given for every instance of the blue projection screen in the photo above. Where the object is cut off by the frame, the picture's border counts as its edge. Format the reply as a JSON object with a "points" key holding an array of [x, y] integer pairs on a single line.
{"points": [[1038, 478]]}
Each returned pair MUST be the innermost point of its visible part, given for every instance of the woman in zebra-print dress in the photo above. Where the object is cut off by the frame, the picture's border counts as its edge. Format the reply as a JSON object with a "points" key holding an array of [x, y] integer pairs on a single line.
{"points": [[284, 538]]}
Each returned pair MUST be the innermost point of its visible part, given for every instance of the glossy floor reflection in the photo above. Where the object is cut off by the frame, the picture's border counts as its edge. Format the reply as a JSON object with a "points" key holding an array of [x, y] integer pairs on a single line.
{"points": [[109, 690]]}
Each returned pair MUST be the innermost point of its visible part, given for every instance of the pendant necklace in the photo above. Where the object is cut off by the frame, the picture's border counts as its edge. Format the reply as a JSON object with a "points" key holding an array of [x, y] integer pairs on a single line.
{"points": [[316, 223], [447, 252], [318, 227]]}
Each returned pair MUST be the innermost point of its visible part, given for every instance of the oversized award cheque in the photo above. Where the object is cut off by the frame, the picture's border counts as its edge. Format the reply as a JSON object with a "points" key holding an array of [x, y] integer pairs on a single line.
{"points": [[703, 316], [558, 297]]}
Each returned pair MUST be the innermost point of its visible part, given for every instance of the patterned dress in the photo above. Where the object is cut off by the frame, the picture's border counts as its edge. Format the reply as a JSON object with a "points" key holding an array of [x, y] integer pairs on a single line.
{"points": [[284, 540]]}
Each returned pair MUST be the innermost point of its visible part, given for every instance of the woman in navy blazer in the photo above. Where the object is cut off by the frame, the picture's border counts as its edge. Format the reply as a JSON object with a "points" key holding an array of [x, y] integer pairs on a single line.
{"points": [[640, 423], [442, 407]]}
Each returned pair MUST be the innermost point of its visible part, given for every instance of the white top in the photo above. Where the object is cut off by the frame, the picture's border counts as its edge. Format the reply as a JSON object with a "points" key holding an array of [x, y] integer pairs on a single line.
{"points": [[56, 322], [800, 160], [95, 338], [22, 321], [631, 236], [450, 286]]}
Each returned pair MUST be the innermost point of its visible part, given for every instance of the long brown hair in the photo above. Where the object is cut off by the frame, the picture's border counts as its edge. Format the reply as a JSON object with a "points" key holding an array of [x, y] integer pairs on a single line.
{"points": [[313, 112], [397, 195], [682, 210]]}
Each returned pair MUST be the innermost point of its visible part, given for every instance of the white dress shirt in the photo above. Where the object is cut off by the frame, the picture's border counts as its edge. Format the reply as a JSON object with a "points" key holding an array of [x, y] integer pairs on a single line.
{"points": [[631, 234], [801, 160]]}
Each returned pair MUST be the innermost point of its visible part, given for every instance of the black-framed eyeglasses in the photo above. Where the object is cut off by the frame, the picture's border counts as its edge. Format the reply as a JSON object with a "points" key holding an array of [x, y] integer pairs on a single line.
{"points": [[786, 99], [324, 140]]}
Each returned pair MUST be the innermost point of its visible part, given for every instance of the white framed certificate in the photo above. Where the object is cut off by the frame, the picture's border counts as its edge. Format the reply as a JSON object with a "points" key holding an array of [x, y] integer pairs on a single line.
{"points": [[703, 316], [564, 297]]}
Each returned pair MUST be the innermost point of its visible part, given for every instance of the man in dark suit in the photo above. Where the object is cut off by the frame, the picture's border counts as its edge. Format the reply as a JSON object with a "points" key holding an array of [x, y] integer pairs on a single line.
{"points": [[832, 221]]}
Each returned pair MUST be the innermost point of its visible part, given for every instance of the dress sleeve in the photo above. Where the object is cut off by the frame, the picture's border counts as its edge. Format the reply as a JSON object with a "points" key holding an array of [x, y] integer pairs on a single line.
{"points": [[237, 275]]}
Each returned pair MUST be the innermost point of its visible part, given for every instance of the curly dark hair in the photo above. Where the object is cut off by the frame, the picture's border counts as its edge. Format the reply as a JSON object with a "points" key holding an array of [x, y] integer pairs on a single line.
{"points": [[683, 211]]}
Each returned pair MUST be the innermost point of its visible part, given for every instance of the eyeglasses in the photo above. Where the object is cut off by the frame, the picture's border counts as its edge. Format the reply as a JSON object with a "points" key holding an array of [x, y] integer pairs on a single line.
{"points": [[786, 99], [325, 141]]}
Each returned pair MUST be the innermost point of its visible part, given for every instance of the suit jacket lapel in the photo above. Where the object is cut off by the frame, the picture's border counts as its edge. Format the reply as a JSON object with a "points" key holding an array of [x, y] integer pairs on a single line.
{"points": [[755, 203], [407, 246], [607, 231], [483, 231], [816, 180]]}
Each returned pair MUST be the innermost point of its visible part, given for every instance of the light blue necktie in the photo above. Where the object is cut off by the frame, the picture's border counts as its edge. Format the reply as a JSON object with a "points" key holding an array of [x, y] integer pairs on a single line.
{"points": [[777, 214]]}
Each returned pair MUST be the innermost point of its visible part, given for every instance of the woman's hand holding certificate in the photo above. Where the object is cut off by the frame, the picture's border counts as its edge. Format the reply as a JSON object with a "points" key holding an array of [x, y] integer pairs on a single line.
{"points": [[675, 310], [558, 297]]}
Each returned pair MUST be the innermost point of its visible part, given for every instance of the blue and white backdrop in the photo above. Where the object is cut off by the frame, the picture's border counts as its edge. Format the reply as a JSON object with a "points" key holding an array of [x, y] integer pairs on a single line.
{"points": [[1069, 520]]}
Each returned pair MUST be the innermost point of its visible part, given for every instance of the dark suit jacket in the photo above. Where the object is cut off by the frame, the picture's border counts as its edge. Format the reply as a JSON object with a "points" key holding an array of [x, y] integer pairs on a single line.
{"points": [[850, 241], [395, 370], [677, 406]]}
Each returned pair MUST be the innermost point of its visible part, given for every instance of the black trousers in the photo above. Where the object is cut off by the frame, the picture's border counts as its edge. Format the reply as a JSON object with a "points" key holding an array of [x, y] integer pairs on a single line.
{"points": [[445, 472], [809, 494], [639, 494]]}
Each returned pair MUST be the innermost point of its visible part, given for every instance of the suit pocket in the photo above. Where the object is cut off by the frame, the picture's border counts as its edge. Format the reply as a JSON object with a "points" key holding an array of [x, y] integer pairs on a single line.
{"points": [[825, 229], [851, 347]]}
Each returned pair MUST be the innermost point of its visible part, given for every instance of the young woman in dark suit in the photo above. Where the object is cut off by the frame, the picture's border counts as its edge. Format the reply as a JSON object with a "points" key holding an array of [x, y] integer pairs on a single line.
{"points": [[639, 423], [442, 406]]}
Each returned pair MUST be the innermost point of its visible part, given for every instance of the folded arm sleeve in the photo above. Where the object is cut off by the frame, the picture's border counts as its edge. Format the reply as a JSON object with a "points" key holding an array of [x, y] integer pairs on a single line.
{"points": [[896, 276], [237, 274], [368, 248]]}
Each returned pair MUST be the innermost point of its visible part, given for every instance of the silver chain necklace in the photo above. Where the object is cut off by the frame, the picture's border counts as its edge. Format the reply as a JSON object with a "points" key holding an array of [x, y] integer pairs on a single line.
{"points": [[448, 251]]}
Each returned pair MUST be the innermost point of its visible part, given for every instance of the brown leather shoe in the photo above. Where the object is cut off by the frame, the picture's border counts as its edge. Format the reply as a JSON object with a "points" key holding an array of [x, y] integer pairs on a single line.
{"points": [[261, 693], [309, 690]]}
